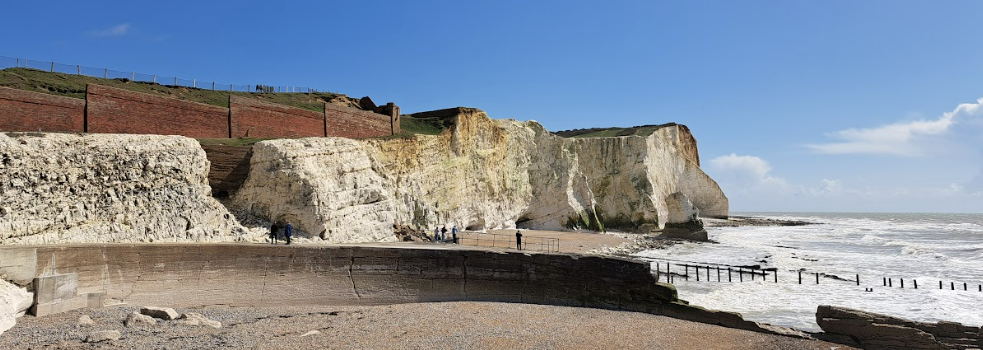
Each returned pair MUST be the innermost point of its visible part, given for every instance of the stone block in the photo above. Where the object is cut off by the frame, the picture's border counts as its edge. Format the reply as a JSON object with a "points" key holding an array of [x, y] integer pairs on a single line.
{"points": [[57, 307], [55, 288], [95, 300], [19, 265]]}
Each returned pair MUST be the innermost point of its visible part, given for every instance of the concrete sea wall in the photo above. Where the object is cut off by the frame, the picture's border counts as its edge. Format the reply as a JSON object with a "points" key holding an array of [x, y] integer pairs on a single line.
{"points": [[187, 275]]}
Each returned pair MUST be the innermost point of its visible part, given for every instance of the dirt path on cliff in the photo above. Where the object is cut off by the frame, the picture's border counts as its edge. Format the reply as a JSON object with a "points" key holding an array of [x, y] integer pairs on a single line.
{"points": [[450, 325]]}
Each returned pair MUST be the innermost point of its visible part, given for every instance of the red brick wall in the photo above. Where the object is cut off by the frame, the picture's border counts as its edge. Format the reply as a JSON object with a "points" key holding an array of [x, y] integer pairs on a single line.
{"points": [[255, 118], [354, 123], [112, 110], [30, 111]]}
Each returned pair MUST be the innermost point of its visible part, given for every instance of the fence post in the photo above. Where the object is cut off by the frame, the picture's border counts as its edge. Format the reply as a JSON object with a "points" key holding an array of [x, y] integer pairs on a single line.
{"points": [[155, 78], [230, 87], [213, 86], [752, 274], [718, 273], [697, 273], [79, 68], [175, 81], [105, 74], [729, 279], [52, 66], [776, 275]]}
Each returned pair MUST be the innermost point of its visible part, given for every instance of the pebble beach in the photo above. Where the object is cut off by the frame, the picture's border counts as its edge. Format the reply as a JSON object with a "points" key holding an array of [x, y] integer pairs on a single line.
{"points": [[448, 325]]}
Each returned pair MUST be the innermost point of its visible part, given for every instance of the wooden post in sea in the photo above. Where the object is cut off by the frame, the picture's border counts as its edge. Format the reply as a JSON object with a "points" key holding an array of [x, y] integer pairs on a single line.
{"points": [[952, 285], [729, 279], [800, 276], [708, 274], [776, 275], [940, 284], [740, 274], [902, 282], [964, 286], [858, 279], [697, 273], [752, 274], [884, 281], [916, 283], [889, 284], [718, 273], [817, 277]]}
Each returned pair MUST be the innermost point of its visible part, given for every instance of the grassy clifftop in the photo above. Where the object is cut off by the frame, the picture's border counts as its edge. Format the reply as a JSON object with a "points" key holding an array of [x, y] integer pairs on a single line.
{"points": [[644, 130], [71, 85]]}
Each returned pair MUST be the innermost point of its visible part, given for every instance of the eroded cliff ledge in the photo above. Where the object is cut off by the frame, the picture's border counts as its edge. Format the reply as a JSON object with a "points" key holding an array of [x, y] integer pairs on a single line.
{"points": [[98, 188], [479, 174]]}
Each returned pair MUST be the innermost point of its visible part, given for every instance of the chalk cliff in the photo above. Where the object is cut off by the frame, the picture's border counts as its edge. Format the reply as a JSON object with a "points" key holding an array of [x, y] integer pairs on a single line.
{"points": [[479, 174], [69, 188]]}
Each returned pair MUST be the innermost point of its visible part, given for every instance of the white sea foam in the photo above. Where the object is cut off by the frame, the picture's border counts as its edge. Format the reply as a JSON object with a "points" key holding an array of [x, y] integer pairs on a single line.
{"points": [[926, 248]]}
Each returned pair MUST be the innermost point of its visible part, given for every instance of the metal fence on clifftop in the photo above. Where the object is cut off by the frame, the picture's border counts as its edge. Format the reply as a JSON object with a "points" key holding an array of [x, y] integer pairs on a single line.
{"points": [[106, 73]]}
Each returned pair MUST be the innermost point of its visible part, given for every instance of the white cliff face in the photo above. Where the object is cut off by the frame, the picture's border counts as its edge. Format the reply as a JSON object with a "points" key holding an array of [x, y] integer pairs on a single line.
{"points": [[481, 174], [68, 188], [14, 301]]}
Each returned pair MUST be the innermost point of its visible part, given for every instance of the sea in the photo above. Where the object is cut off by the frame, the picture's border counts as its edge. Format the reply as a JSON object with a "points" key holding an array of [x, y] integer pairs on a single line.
{"points": [[906, 248]]}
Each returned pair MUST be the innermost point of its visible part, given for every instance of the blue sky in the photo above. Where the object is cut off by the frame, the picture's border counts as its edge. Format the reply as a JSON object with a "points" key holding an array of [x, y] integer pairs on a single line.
{"points": [[797, 105]]}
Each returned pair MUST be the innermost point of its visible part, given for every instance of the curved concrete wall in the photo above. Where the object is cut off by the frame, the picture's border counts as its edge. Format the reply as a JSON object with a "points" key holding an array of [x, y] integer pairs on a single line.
{"points": [[180, 275], [189, 275]]}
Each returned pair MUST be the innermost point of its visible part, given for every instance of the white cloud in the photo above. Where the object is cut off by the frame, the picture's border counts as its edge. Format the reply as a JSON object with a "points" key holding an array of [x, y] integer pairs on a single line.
{"points": [[117, 30], [746, 172], [903, 139]]}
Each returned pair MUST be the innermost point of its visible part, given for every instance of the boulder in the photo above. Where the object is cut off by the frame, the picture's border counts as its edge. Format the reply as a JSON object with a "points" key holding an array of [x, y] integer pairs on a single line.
{"points": [[136, 318], [164, 313], [196, 319], [876, 331], [14, 302], [85, 320], [101, 336]]}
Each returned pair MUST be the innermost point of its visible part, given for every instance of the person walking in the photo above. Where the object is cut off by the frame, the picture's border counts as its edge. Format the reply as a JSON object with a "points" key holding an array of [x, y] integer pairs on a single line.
{"points": [[288, 231], [436, 234], [518, 240], [454, 234], [273, 229], [443, 234]]}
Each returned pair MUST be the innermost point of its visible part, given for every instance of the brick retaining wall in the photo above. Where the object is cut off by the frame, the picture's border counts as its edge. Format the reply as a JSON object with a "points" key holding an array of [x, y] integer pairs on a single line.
{"points": [[117, 111], [33, 111], [254, 118], [353, 123]]}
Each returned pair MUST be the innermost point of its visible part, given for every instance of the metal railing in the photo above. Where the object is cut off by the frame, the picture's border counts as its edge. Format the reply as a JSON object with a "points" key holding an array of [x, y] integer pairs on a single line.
{"points": [[106, 73], [495, 240]]}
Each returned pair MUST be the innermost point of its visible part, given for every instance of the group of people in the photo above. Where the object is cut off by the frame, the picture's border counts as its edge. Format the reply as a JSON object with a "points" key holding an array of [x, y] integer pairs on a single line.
{"points": [[440, 234], [265, 88], [287, 232]]}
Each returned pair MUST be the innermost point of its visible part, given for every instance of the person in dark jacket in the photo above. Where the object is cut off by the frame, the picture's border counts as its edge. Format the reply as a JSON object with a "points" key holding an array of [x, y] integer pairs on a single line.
{"points": [[288, 232], [273, 229], [518, 240]]}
